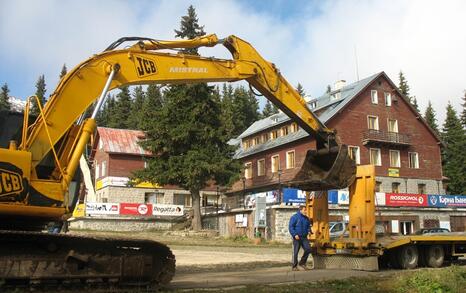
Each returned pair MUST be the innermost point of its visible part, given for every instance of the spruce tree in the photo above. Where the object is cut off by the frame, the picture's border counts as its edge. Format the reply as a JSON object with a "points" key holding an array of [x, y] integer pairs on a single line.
{"points": [[135, 116], [63, 71], [403, 84], [4, 98], [245, 110], [228, 110], [413, 101], [463, 113], [40, 93], [122, 110], [431, 118], [187, 138], [454, 159], [269, 109], [103, 116], [300, 90], [152, 104]]}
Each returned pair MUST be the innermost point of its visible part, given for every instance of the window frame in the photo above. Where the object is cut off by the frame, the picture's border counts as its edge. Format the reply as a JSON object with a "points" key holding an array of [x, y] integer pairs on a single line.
{"points": [[397, 184], [396, 125], [358, 153], [97, 170], [258, 169], [398, 163], [103, 172], [416, 165], [421, 186], [388, 99], [376, 100], [379, 157], [248, 170], [376, 122], [294, 159], [272, 164]]}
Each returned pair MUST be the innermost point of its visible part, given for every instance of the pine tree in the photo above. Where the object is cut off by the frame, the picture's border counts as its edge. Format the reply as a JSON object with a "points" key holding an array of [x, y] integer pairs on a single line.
{"points": [[454, 159], [431, 118], [63, 71], [135, 116], [4, 98], [245, 110], [228, 111], [103, 116], [40, 93], [269, 109], [403, 84], [187, 138], [413, 101], [152, 104], [122, 110], [300, 90], [463, 113]]}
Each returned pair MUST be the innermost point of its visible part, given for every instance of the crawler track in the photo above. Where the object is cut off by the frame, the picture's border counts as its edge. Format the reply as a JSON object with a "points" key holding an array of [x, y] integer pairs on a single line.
{"points": [[60, 261]]}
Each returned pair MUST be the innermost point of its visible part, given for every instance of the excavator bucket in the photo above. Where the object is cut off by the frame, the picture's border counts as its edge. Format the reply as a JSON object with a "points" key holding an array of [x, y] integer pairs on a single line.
{"points": [[326, 169]]}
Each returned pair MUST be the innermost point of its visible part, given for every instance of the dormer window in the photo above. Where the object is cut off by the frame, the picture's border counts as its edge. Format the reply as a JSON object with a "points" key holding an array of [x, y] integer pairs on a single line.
{"points": [[313, 105]]}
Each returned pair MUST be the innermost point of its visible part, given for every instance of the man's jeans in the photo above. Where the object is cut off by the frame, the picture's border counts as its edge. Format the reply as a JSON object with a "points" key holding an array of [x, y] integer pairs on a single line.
{"points": [[297, 244]]}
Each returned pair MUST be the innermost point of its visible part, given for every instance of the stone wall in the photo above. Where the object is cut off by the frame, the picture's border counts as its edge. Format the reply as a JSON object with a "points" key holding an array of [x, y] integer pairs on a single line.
{"points": [[120, 224], [410, 185]]}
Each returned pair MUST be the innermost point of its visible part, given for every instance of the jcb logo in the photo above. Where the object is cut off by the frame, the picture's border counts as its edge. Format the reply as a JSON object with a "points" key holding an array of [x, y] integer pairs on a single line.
{"points": [[144, 67], [10, 182]]}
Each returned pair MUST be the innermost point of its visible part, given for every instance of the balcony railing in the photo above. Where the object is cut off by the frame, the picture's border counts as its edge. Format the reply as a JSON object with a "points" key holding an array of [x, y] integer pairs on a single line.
{"points": [[378, 136]]}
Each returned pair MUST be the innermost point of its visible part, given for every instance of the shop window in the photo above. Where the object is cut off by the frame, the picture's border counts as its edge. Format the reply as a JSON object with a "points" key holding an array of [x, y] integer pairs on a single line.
{"points": [[421, 188], [413, 160], [406, 227], [395, 158], [395, 187], [248, 170], [374, 97], [275, 160], [373, 122], [375, 157], [354, 154], [290, 161], [153, 197], [261, 167]]}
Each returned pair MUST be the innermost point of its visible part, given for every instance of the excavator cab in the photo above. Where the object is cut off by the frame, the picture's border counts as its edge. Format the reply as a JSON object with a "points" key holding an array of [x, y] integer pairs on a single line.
{"points": [[325, 169]]}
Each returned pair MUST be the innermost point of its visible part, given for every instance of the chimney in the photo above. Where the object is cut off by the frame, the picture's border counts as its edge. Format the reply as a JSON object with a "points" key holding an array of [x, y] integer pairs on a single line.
{"points": [[339, 84]]}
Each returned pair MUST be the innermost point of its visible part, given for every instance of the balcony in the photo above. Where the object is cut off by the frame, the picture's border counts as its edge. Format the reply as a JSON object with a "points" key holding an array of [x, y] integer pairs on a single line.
{"points": [[372, 136]]}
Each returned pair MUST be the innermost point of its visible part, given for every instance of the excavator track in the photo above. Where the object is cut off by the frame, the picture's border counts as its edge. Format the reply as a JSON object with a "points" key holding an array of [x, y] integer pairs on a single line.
{"points": [[58, 261]]}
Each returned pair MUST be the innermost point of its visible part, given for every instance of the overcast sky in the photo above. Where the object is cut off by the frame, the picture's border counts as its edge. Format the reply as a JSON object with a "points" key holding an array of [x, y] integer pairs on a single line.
{"points": [[312, 42]]}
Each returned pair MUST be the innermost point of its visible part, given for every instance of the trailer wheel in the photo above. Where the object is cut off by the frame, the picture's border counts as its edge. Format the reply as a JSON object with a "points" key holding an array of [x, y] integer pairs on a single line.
{"points": [[435, 255], [408, 257]]}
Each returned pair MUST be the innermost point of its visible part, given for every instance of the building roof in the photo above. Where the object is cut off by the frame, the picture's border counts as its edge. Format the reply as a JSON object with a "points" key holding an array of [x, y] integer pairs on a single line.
{"points": [[121, 141], [328, 105]]}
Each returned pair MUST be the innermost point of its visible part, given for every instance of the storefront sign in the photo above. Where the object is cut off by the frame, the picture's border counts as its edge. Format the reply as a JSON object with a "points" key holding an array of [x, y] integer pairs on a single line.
{"points": [[135, 209], [122, 182], [436, 200], [270, 196], [167, 210], [293, 195], [98, 208], [343, 196], [393, 172], [405, 200]]}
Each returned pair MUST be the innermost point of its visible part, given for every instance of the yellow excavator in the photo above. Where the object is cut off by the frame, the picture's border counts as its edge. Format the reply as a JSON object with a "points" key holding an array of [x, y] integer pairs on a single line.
{"points": [[37, 170]]}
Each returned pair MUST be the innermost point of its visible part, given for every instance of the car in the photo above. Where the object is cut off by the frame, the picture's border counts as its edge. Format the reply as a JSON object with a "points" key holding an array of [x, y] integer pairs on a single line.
{"points": [[432, 231], [336, 229]]}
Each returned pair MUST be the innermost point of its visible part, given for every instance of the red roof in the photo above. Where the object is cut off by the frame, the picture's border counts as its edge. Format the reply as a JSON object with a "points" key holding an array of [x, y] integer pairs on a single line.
{"points": [[123, 141]]}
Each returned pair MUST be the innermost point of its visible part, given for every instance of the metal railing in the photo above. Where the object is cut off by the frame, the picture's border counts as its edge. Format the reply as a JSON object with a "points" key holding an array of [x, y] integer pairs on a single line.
{"points": [[385, 136]]}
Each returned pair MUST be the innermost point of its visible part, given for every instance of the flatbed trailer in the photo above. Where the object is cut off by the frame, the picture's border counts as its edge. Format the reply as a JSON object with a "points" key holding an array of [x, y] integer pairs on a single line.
{"points": [[363, 249]]}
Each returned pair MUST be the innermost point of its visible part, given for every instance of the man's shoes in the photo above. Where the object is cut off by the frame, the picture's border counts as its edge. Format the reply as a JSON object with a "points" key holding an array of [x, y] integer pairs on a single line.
{"points": [[305, 267], [295, 269]]}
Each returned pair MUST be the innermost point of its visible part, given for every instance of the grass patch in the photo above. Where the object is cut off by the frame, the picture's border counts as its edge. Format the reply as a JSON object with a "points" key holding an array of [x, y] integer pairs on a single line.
{"points": [[447, 280]]}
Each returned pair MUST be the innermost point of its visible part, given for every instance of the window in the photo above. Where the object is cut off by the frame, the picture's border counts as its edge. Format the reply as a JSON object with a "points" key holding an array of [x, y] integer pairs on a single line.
{"points": [[395, 159], [354, 154], [265, 137], [392, 125], [247, 144], [153, 197], [413, 160], [377, 186], [374, 97], [275, 163], [294, 127], [261, 167], [421, 188], [274, 134], [248, 170], [388, 99], [395, 187], [290, 159], [104, 168], [312, 105], [285, 131], [406, 227], [182, 199], [257, 140], [97, 167], [375, 157], [373, 122]]}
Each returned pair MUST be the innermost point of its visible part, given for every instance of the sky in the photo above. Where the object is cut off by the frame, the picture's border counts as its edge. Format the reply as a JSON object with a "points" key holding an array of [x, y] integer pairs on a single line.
{"points": [[314, 43]]}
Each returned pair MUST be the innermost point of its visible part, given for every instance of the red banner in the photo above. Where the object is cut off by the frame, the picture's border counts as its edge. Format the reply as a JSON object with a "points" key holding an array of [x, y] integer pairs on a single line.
{"points": [[136, 209], [405, 200]]}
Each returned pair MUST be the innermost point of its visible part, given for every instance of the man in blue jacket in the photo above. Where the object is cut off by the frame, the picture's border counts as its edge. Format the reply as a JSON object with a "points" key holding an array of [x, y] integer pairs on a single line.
{"points": [[299, 228]]}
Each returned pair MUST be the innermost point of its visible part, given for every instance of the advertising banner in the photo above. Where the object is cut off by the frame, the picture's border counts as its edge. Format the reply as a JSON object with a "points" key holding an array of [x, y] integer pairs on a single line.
{"points": [[380, 198], [343, 196], [293, 195], [167, 210], [135, 209], [260, 220], [405, 200], [99, 208], [442, 201], [271, 197]]}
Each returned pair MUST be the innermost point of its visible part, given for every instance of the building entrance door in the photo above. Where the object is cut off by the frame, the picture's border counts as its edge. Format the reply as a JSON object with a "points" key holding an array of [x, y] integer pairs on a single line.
{"points": [[406, 227]]}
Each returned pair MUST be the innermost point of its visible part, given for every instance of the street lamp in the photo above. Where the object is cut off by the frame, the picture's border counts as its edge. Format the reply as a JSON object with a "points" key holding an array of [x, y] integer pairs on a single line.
{"points": [[216, 208], [279, 173], [244, 190]]}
